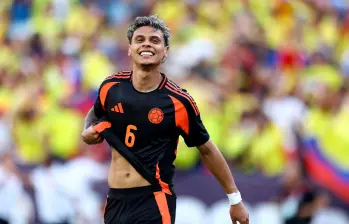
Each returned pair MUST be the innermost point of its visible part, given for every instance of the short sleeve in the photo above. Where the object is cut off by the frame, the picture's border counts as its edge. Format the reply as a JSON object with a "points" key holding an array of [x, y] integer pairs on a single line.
{"points": [[98, 108], [101, 101], [197, 134], [188, 119]]}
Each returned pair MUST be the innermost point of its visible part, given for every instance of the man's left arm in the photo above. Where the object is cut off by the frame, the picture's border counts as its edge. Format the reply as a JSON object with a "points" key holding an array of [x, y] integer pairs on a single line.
{"points": [[215, 162], [194, 133]]}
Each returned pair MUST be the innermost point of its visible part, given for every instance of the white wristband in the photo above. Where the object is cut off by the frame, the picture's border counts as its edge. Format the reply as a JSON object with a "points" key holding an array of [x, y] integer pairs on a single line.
{"points": [[234, 198]]}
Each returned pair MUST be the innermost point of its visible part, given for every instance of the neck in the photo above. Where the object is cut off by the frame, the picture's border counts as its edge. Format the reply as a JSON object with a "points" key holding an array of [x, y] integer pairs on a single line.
{"points": [[146, 79]]}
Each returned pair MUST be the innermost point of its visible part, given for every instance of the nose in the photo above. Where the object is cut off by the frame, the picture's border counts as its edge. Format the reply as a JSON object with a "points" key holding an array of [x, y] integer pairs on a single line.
{"points": [[146, 43]]}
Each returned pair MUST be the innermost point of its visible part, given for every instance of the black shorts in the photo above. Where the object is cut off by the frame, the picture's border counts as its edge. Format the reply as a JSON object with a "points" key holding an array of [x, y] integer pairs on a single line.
{"points": [[140, 205]]}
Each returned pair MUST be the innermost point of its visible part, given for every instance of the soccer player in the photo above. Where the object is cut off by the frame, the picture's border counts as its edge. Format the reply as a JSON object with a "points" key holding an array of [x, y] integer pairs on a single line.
{"points": [[141, 114]]}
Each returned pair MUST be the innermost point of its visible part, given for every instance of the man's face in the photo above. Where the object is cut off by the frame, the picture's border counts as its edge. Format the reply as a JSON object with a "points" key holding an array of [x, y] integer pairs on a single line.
{"points": [[147, 46]]}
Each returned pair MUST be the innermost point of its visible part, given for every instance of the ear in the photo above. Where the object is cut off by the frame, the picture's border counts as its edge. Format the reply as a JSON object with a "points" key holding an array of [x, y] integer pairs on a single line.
{"points": [[129, 50], [166, 51]]}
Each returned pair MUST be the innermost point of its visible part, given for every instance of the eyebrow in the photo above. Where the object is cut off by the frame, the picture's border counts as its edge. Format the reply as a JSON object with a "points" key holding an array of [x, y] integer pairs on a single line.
{"points": [[152, 37]]}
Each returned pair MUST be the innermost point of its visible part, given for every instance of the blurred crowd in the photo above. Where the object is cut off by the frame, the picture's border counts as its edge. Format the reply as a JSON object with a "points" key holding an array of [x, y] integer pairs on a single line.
{"points": [[266, 75]]}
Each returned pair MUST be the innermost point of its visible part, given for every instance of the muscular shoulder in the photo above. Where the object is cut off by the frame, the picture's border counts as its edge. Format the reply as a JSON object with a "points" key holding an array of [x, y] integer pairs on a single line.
{"points": [[182, 96]]}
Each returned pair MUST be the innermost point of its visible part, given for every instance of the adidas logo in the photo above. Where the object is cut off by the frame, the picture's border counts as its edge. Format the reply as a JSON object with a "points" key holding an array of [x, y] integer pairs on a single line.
{"points": [[118, 108]]}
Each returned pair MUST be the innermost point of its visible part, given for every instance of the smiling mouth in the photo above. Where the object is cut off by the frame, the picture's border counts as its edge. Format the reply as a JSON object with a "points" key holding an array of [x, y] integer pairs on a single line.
{"points": [[146, 54]]}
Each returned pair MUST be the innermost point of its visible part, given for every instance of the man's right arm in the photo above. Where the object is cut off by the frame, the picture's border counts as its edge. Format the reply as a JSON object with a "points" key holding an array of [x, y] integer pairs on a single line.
{"points": [[90, 136], [90, 118]]}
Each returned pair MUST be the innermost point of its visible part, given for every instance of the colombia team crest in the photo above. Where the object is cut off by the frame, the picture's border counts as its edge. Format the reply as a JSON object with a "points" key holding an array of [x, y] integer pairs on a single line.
{"points": [[155, 116]]}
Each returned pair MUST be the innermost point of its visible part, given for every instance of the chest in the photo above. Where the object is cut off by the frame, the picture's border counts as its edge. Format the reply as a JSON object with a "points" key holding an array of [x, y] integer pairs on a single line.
{"points": [[150, 115]]}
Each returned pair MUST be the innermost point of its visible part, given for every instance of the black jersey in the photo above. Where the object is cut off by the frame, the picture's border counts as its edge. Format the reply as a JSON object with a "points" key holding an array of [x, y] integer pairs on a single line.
{"points": [[149, 124]]}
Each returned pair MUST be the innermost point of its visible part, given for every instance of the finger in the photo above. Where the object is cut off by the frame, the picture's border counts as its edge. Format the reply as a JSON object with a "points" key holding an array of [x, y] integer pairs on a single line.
{"points": [[96, 136], [84, 139], [244, 221], [100, 139], [234, 221], [94, 129], [94, 140]]}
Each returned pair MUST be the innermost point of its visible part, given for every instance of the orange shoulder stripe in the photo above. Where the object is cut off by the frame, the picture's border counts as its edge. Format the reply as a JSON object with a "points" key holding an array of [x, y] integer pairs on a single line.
{"points": [[185, 96], [125, 72], [122, 76], [181, 115], [174, 84], [185, 93], [104, 91], [163, 83]]}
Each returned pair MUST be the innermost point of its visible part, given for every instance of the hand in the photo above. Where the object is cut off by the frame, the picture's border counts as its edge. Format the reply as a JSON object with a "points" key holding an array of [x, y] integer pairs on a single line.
{"points": [[239, 213], [90, 136]]}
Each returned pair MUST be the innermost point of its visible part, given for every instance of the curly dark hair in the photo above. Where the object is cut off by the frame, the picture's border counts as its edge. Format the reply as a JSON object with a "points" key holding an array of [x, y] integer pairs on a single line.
{"points": [[152, 21]]}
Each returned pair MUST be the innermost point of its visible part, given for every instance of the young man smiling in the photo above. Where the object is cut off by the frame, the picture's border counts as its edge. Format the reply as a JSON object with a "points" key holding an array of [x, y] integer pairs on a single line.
{"points": [[141, 114]]}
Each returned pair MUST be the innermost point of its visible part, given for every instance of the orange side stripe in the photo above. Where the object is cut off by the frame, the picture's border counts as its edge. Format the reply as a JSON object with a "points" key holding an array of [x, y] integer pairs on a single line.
{"points": [[104, 91], [164, 186], [161, 201], [120, 107], [181, 94], [116, 109], [102, 126], [173, 85], [181, 115], [105, 206]]}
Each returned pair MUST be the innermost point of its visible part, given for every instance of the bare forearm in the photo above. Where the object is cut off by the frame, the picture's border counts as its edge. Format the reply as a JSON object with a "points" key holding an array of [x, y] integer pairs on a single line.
{"points": [[90, 118], [90, 136], [215, 162]]}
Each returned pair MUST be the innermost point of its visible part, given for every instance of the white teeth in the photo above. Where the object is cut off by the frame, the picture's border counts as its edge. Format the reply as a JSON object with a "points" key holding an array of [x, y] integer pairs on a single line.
{"points": [[146, 53]]}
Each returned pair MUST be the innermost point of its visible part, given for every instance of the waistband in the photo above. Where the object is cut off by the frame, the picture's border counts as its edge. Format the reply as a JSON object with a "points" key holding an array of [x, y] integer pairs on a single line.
{"points": [[118, 193]]}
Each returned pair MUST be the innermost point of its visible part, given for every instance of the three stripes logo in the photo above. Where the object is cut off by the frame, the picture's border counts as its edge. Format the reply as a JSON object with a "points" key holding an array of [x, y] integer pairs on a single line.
{"points": [[118, 108]]}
